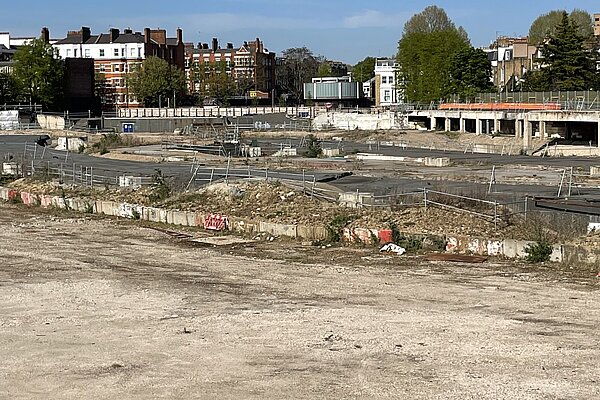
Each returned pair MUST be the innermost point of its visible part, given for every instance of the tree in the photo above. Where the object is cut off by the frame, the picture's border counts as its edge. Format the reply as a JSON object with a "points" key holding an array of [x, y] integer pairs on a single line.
{"points": [[364, 70], [324, 69], [154, 79], [8, 89], [39, 74], [103, 90], [299, 66], [470, 72], [545, 25], [568, 64], [429, 42], [212, 80]]}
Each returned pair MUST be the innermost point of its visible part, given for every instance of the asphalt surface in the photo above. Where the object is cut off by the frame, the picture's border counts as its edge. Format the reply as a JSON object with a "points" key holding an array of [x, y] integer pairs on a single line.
{"points": [[183, 172]]}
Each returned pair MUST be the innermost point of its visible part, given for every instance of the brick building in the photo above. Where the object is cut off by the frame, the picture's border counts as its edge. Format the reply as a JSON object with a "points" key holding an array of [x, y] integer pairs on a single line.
{"points": [[116, 53], [251, 65]]}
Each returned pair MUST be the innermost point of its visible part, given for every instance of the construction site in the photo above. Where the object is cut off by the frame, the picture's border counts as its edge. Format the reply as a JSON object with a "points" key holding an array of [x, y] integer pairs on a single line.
{"points": [[281, 253]]}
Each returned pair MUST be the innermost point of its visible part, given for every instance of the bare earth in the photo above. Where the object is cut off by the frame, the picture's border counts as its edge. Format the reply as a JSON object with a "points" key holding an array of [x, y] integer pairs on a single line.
{"points": [[100, 308]]}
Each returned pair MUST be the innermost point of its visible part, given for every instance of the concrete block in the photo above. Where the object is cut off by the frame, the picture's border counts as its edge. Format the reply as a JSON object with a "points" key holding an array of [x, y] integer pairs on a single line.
{"points": [[243, 226], [4, 193], [127, 210], [495, 248], [29, 199], [278, 229], [594, 171], [177, 218], [360, 235], [10, 168], [154, 214], [58, 202], [46, 201], [437, 161], [452, 244], [331, 152], [311, 232]]}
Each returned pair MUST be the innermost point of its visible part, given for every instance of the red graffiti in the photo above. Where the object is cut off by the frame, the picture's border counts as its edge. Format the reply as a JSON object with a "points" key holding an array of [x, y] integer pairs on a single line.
{"points": [[216, 222]]}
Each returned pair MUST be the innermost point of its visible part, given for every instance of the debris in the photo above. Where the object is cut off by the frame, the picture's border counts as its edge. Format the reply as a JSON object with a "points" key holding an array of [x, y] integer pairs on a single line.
{"points": [[393, 248], [455, 258]]}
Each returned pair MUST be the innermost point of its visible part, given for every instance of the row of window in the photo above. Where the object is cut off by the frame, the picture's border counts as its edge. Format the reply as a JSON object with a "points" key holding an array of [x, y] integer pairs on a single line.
{"points": [[116, 52], [387, 79], [118, 67]]}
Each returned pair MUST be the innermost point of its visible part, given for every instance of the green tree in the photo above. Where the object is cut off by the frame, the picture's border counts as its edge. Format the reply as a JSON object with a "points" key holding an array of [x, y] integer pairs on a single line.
{"points": [[8, 90], [568, 64], [428, 43], [155, 78], [39, 74], [364, 70], [545, 25], [213, 81], [299, 66], [470, 73], [324, 69]]}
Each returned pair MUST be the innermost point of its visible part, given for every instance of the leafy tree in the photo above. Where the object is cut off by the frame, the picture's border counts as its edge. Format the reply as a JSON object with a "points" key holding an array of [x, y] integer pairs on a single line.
{"points": [[39, 74], [364, 70], [324, 69], [103, 90], [470, 72], [429, 42], [156, 78], [212, 80], [299, 66], [568, 64], [546, 25], [8, 89]]}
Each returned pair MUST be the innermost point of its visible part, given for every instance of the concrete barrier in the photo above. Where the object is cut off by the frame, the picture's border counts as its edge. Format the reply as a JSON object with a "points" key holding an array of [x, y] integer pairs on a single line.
{"points": [[311, 232], [154, 214], [436, 161], [278, 229]]}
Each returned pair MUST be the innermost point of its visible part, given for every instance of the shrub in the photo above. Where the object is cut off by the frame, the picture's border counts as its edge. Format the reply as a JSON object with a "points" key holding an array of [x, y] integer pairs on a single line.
{"points": [[539, 251]]}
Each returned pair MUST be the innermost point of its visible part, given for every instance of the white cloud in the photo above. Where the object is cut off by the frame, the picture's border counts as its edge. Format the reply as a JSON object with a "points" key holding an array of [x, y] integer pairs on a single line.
{"points": [[374, 19]]}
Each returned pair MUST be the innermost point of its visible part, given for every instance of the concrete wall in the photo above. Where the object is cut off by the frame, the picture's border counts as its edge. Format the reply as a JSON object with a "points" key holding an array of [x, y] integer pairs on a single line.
{"points": [[352, 121], [50, 121]]}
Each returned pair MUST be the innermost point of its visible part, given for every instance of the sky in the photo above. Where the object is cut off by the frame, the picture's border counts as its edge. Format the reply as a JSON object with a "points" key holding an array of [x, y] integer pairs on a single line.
{"points": [[341, 30]]}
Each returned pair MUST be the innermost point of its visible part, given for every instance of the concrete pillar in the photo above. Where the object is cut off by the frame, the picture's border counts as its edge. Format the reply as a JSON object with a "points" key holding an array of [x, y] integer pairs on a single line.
{"points": [[543, 133], [447, 125], [487, 126], [598, 130], [526, 133], [461, 123], [518, 128], [477, 126], [433, 125], [496, 126]]}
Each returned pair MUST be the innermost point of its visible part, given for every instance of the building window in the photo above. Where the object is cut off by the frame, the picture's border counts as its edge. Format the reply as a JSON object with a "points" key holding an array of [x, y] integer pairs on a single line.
{"points": [[87, 53], [386, 95], [116, 68], [133, 52], [102, 68], [384, 79], [116, 53], [75, 53], [391, 80], [68, 52], [123, 52], [101, 52], [139, 52]]}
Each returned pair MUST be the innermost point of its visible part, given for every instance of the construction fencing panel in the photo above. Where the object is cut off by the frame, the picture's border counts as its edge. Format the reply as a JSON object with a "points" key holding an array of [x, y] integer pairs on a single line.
{"points": [[9, 120]]}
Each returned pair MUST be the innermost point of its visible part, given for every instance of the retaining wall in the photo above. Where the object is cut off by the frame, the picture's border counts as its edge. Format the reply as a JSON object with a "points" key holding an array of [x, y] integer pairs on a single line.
{"points": [[508, 248]]}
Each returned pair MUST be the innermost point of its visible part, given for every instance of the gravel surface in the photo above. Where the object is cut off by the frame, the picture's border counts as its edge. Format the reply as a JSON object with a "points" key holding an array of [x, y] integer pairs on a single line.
{"points": [[101, 308]]}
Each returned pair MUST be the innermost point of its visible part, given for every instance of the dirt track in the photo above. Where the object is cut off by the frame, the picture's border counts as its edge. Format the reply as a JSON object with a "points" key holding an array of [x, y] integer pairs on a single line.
{"points": [[105, 309]]}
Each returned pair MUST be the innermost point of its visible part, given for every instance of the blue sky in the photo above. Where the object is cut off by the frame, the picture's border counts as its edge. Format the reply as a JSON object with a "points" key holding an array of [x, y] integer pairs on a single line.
{"points": [[344, 30]]}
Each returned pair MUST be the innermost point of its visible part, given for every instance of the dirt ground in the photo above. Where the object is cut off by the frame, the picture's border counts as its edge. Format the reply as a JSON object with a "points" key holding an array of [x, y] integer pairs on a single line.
{"points": [[104, 308]]}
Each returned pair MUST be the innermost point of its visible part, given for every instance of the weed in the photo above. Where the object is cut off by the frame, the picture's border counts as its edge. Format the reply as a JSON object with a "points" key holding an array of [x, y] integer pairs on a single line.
{"points": [[313, 147], [160, 188], [135, 214], [335, 228], [538, 252], [374, 238], [88, 208]]}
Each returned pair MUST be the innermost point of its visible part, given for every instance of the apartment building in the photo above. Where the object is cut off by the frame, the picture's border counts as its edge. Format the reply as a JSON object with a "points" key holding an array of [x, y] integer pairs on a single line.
{"points": [[597, 24], [511, 58], [8, 48], [250, 64], [386, 89], [117, 53]]}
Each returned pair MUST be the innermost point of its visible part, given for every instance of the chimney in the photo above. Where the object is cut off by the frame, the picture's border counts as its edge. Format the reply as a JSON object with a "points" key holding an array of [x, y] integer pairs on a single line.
{"points": [[146, 35], [205, 46], [179, 36], [230, 45], [85, 34], [45, 36], [258, 46], [128, 31], [114, 34], [215, 44]]}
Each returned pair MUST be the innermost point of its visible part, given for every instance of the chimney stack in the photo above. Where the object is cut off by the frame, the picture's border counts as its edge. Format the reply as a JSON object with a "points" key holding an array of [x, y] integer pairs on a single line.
{"points": [[179, 36], [86, 33], [230, 45], [146, 35], [45, 35], [215, 44], [114, 34], [128, 30]]}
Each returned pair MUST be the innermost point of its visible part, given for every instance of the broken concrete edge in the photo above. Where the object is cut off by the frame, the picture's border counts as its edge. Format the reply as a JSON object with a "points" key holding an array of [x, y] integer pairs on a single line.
{"points": [[508, 248]]}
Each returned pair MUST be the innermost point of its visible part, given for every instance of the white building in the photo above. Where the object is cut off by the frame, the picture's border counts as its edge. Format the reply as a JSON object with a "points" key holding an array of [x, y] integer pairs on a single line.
{"points": [[386, 91]]}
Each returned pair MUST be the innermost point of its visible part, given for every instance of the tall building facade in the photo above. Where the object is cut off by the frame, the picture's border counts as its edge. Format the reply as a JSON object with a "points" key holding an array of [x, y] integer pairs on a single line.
{"points": [[251, 65], [386, 83], [117, 53]]}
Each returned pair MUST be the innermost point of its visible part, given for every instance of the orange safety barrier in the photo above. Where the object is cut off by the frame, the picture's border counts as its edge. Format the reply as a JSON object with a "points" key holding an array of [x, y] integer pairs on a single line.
{"points": [[499, 106]]}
